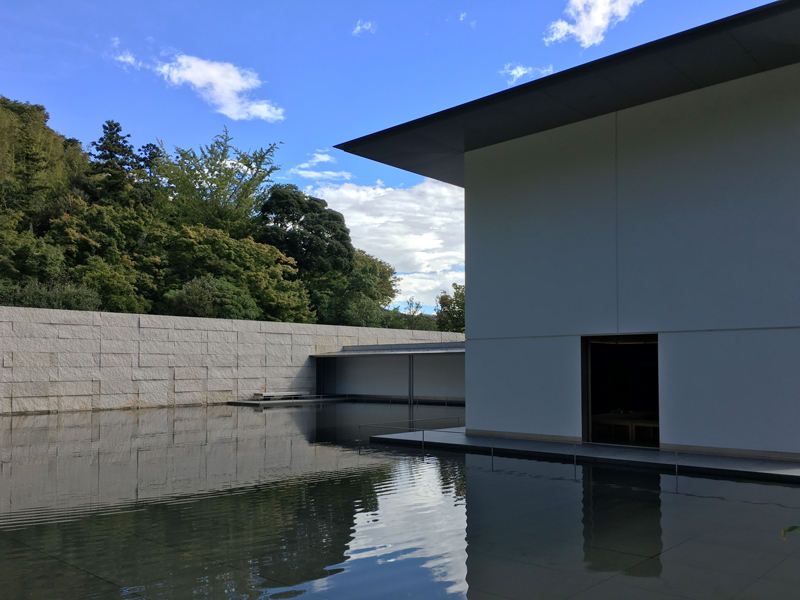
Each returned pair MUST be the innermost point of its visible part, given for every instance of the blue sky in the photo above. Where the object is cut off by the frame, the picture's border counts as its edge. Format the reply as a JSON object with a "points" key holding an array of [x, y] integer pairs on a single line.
{"points": [[311, 74]]}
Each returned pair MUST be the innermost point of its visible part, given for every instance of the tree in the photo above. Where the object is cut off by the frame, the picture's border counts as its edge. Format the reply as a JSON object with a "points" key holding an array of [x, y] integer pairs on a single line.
{"points": [[219, 187], [450, 310], [260, 271], [415, 318], [360, 298], [212, 298], [304, 228]]}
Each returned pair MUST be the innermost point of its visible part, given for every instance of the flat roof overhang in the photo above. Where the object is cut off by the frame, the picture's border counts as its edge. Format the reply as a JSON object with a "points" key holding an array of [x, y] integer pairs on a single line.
{"points": [[752, 42], [396, 350]]}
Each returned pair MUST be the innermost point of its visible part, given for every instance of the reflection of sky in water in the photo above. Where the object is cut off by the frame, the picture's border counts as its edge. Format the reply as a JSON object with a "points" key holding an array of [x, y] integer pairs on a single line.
{"points": [[417, 524]]}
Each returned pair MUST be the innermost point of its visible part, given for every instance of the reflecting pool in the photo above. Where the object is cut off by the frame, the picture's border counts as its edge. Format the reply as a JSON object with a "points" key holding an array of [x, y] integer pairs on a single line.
{"points": [[226, 502]]}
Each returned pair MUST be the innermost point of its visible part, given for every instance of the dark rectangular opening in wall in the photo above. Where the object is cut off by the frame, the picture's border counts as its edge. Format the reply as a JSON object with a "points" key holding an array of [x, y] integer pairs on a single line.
{"points": [[621, 390]]}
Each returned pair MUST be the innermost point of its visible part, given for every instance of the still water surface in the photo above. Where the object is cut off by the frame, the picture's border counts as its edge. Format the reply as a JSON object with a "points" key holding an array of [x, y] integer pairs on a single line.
{"points": [[226, 502]]}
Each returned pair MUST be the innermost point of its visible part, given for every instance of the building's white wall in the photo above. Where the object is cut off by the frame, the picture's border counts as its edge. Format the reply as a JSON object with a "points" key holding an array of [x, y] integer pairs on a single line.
{"points": [[439, 375], [709, 208], [731, 389], [676, 216], [540, 234], [530, 386]]}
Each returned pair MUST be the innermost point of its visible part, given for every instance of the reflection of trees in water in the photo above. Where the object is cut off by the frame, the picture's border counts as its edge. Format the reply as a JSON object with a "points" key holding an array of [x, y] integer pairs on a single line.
{"points": [[287, 532], [453, 476], [622, 513]]}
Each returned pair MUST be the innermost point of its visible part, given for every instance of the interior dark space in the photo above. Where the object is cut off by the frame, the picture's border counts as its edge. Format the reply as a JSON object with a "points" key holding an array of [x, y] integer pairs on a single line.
{"points": [[623, 390]]}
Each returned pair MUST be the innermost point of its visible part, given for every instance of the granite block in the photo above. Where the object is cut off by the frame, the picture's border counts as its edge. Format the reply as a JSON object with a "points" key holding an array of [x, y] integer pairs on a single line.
{"points": [[78, 359], [74, 403], [29, 389], [230, 337], [153, 386], [112, 401], [189, 360], [257, 349], [116, 373], [83, 332], [191, 373], [72, 388], [119, 386], [223, 372], [154, 347], [251, 337], [252, 360], [221, 360], [78, 373], [43, 403], [156, 335], [119, 320], [27, 359], [156, 360], [183, 398], [75, 345], [34, 330], [190, 385], [188, 335], [157, 321], [221, 348], [119, 333], [19, 344], [189, 347], [151, 374], [216, 385], [153, 399], [119, 360]]}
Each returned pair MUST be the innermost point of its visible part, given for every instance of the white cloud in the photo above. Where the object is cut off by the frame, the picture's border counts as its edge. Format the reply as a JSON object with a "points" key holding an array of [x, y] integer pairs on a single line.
{"points": [[591, 19], [515, 71], [223, 85], [365, 26], [418, 230], [320, 156], [320, 175], [128, 60], [115, 42], [316, 158], [462, 16]]}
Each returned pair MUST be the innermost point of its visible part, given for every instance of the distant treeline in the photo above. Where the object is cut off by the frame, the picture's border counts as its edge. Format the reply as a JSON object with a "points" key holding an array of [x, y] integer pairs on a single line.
{"points": [[202, 233]]}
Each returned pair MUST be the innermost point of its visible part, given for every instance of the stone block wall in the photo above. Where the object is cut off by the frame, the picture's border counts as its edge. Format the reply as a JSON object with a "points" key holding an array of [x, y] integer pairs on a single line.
{"points": [[58, 360]]}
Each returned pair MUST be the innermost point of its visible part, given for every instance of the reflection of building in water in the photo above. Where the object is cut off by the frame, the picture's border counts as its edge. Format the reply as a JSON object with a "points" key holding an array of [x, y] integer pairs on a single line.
{"points": [[68, 461], [621, 512]]}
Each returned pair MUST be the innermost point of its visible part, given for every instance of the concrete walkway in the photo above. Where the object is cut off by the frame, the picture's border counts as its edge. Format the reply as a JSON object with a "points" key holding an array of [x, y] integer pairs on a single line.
{"points": [[665, 462]]}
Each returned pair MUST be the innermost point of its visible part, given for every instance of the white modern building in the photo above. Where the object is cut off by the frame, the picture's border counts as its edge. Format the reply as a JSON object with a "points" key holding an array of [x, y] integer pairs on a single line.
{"points": [[641, 215]]}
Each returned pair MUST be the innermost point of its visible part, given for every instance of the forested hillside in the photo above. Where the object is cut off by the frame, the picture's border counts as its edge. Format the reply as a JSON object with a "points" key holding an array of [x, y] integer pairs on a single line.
{"points": [[171, 231]]}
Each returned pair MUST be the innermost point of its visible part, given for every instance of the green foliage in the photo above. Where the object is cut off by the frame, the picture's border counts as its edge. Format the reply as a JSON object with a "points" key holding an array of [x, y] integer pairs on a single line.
{"points": [[202, 233], [61, 294], [219, 187], [359, 298], [305, 228], [212, 298], [450, 310], [416, 319], [266, 274]]}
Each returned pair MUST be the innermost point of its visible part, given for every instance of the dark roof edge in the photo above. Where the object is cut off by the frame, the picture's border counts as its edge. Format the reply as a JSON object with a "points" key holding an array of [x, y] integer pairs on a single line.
{"points": [[750, 16]]}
